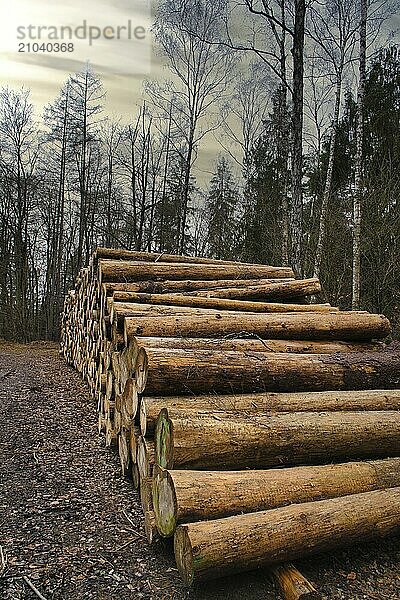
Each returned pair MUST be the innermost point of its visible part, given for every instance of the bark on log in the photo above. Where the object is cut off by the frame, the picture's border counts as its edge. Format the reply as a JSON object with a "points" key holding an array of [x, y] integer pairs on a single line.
{"points": [[291, 584], [184, 286], [297, 288], [264, 441], [345, 326], [211, 549], [219, 303], [349, 401], [175, 372], [115, 270], [188, 496]]}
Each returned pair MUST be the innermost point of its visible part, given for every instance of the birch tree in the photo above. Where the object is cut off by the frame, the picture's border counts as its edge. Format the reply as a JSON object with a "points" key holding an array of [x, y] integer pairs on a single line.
{"points": [[358, 192]]}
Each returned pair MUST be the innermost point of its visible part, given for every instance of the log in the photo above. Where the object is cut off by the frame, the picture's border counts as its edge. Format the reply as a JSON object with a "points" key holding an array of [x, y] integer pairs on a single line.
{"points": [[210, 549], [121, 254], [115, 270], [298, 288], [135, 476], [145, 457], [129, 400], [244, 345], [291, 584], [133, 442], [146, 499], [181, 496], [224, 443], [150, 527], [184, 286], [353, 401], [124, 450], [219, 303], [120, 310], [345, 326], [179, 372]]}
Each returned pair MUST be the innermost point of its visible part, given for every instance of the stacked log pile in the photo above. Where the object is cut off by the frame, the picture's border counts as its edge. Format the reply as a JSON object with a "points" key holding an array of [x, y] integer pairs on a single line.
{"points": [[259, 428]]}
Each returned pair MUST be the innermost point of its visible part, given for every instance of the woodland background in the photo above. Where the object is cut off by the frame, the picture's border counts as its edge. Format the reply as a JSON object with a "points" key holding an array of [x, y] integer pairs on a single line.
{"points": [[304, 99]]}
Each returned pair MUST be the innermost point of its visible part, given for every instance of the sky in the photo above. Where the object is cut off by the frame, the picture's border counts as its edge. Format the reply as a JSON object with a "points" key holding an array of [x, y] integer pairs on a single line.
{"points": [[122, 64]]}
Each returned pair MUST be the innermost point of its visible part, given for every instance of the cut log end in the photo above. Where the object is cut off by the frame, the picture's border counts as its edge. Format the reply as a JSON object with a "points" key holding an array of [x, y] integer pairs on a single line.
{"points": [[135, 476], [141, 370], [184, 555], [150, 527], [165, 502], [164, 440]]}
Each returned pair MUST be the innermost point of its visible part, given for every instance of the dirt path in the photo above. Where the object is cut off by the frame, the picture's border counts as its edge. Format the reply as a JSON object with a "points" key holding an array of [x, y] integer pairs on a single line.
{"points": [[66, 513]]}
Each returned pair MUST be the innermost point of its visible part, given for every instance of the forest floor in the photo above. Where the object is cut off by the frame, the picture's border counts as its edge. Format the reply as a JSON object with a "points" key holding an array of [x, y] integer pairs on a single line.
{"points": [[73, 526]]}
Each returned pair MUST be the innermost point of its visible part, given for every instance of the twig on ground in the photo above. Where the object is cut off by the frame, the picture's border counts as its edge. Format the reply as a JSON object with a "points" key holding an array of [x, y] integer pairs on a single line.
{"points": [[33, 588], [3, 561], [126, 544], [133, 525]]}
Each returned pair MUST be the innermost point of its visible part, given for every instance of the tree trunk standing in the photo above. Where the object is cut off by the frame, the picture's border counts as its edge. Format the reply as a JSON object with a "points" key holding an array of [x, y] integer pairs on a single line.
{"points": [[185, 191], [329, 176], [82, 178], [284, 142], [359, 158], [165, 177], [296, 213], [61, 210]]}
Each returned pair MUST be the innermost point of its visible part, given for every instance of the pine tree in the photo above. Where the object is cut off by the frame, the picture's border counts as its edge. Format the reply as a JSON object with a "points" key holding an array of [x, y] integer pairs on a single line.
{"points": [[221, 206], [265, 195]]}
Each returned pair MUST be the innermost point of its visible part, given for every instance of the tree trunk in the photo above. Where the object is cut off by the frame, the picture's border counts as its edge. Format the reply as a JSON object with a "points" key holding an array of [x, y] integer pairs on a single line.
{"points": [[301, 326], [297, 138], [348, 401], [114, 270], [358, 192], [187, 496], [262, 441], [213, 548], [329, 177], [359, 189]]}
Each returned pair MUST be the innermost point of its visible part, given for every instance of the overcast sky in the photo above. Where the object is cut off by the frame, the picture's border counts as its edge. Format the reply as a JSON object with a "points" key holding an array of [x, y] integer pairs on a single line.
{"points": [[121, 64]]}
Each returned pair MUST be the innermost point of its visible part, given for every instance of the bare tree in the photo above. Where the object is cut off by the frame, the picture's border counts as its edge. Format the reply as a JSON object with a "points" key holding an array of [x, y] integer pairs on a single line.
{"points": [[85, 99], [201, 74], [333, 28], [19, 151], [244, 112]]}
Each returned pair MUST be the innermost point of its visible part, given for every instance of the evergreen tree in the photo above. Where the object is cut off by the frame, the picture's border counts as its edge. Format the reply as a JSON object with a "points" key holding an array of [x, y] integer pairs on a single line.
{"points": [[263, 222], [221, 207]]}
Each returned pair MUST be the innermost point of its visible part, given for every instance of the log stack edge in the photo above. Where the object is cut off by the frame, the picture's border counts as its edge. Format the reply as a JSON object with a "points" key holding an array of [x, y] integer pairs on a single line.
{"points": [[259, 427]]}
